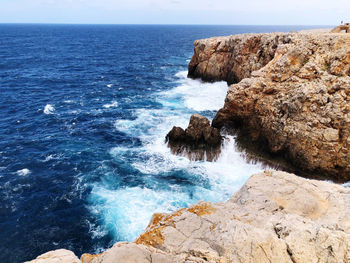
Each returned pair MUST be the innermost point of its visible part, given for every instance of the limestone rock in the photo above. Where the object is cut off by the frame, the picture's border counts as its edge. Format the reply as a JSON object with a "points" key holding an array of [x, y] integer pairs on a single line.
{"points": [[197, 141], [276, 217], [232, 58], [342, 28], [291, 94], [56, 256]]}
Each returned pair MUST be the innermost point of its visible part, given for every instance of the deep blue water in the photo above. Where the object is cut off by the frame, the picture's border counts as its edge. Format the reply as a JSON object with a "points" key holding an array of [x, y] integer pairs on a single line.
{"points": [[83, 114]]}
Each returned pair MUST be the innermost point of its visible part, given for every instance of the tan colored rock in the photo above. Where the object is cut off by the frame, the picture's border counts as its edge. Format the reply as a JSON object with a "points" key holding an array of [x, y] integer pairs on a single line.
{"points": [[292, 94], [88, 258], [232, 58], [56, 256], [276, 217], [342, 28]]}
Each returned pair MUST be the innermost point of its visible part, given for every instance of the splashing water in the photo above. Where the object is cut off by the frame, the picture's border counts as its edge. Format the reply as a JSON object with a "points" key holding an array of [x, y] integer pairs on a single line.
{"points": [[49, 109], [168, 182]]}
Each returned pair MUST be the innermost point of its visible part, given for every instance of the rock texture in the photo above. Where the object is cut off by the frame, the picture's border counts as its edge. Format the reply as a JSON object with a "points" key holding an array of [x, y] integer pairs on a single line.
{"points": [[233, 58], [292, 94], [275, 218], [57, 256], [198, 141], [342, 28]]}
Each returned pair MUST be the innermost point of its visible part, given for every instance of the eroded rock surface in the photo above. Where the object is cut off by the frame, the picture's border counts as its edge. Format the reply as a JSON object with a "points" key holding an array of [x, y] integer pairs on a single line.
{"points": [[233, 58], [275, 217], [293, 96], [199, 140], [57, 256], [342, 28]]}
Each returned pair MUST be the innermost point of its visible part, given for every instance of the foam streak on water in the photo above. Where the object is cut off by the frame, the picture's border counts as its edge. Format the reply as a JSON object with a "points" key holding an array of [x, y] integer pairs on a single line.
{"points": [[169, 182]]}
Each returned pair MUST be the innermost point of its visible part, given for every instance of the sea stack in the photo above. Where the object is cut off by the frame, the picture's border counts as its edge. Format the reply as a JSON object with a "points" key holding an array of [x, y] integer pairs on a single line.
{"points": [[198, 141]]}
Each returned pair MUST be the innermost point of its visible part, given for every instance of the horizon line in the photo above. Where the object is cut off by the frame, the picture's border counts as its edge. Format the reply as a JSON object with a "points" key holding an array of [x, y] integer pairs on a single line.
{"points": [[153, 24]]}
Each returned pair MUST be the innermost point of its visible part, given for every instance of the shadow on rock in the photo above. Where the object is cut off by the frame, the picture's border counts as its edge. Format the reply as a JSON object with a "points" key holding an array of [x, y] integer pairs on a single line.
{"points": [[199, 141]]}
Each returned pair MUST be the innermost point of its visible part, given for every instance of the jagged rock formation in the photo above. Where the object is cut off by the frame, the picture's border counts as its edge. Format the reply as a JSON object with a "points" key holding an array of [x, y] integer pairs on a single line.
{"points": [[232, 58], [276, 217], [57, 256], [293, 96], [199, 140]]}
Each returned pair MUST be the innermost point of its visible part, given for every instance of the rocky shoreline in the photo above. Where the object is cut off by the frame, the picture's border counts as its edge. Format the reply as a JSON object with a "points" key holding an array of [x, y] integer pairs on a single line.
{"points": [[274, 217], [290, 94]]}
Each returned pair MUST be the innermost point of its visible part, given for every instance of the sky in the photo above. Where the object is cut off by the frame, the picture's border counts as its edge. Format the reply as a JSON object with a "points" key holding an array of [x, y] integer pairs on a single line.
{"points": [[224, 12]]}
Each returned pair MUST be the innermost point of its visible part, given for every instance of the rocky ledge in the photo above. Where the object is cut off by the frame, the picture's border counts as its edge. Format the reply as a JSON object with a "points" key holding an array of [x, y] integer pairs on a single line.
{"points": [[275, 217], [199, 141], [290, 94]]}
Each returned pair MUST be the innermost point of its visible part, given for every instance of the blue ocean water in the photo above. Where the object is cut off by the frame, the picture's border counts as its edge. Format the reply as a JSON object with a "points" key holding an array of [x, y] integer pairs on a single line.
{"points": [[84, 110]]}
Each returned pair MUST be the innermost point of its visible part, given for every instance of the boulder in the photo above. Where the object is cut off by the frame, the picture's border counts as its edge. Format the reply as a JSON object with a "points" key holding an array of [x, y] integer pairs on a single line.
{"points": [[57, 256]]}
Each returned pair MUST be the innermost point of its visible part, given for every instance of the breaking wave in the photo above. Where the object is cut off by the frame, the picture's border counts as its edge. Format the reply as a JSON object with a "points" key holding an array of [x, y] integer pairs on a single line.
{"points": [[166, 182]]}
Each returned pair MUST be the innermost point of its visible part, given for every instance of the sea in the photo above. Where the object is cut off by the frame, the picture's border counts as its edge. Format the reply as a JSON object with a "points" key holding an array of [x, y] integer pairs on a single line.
{"points": [[84, 111]]}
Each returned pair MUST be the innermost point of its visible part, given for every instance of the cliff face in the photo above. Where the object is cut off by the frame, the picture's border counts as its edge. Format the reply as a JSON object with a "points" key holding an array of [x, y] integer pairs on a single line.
{"points": [[232, 58], [276, 217], [292, 94]]}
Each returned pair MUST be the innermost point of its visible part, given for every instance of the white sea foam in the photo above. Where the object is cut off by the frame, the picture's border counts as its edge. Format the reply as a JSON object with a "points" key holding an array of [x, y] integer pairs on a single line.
{"points": [[113, 104], [52, 157], [127, 211], [48, 158], [197, 95], [23, 172], [49, 109]]}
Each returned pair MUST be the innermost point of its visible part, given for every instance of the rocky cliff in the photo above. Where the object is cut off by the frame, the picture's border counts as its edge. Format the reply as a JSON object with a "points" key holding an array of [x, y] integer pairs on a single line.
{"points": [[275, 217], [291, 94]]}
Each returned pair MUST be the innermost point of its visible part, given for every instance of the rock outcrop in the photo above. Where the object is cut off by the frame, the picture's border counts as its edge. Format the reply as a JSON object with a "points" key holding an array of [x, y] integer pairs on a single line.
{"points": [[275, 217], [233, 58], [57, 256], [292, 94], [199, 140], [342, 28]]}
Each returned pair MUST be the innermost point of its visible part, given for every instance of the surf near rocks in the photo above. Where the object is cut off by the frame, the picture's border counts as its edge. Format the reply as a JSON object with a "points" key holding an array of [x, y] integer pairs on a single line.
{"points": [[199, 140], [274, 217], [290, 94]]}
